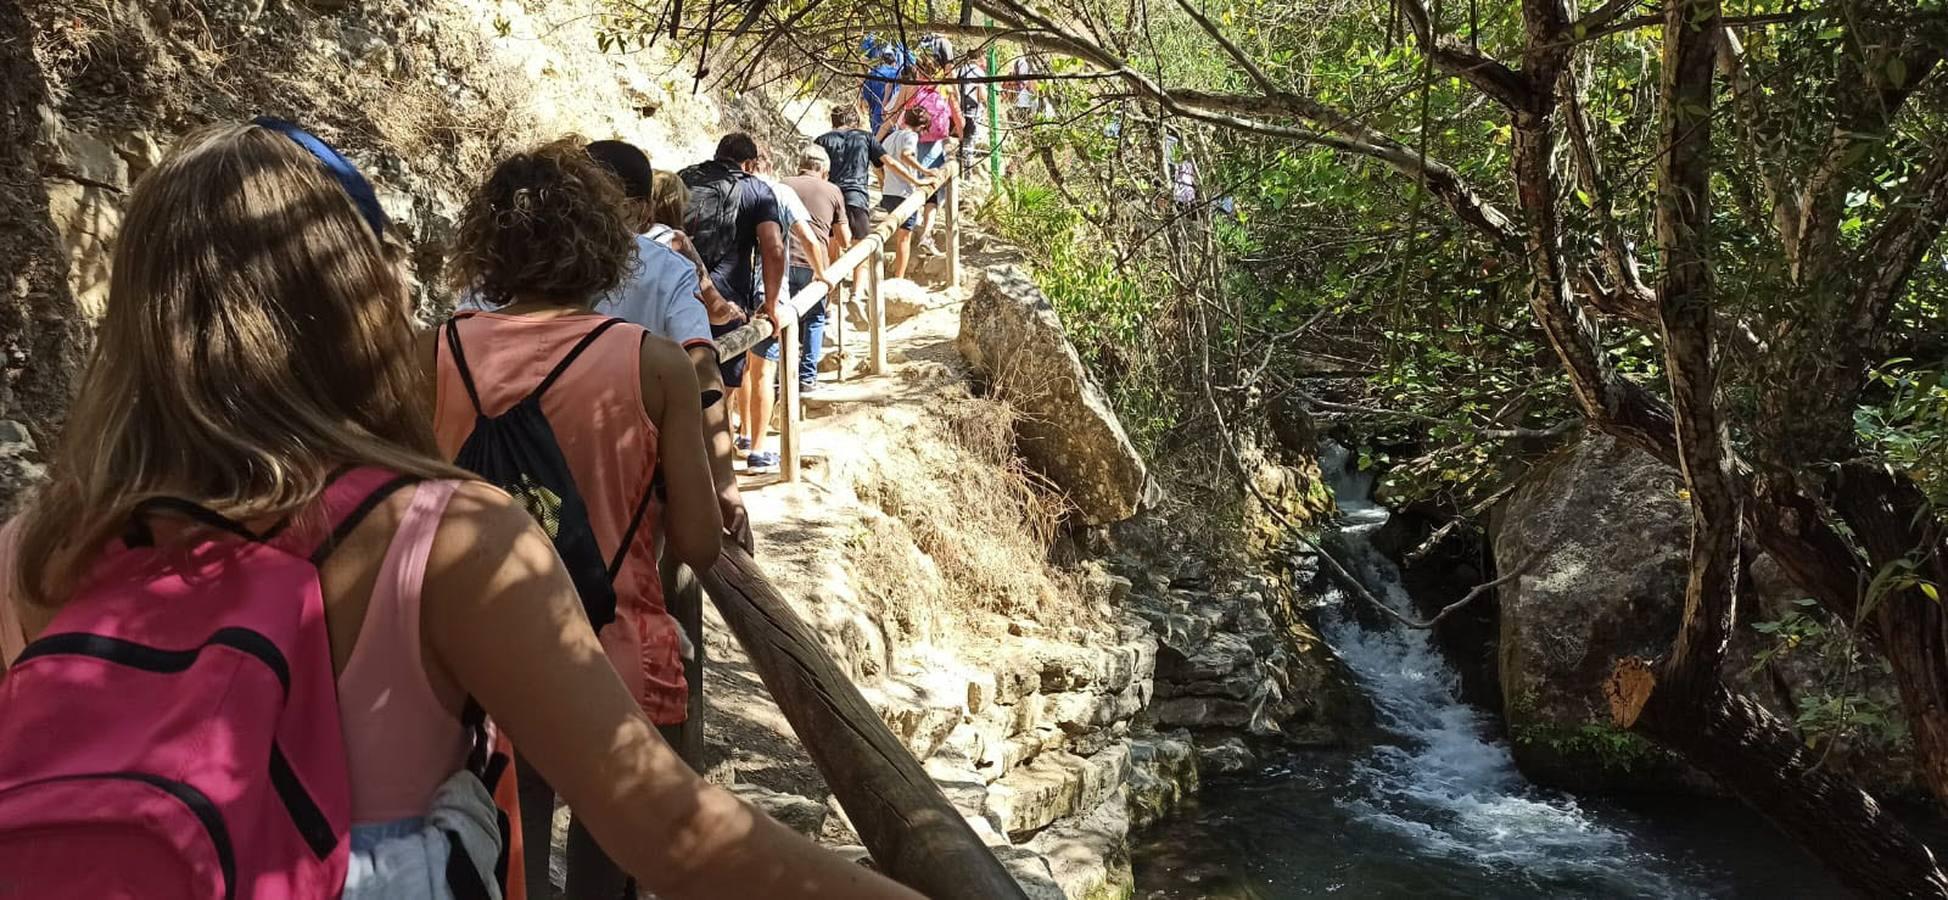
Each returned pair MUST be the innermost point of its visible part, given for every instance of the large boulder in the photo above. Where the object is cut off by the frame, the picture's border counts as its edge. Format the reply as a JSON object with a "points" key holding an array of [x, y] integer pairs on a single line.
{"points": [[1600, 532], [1011, 335]]}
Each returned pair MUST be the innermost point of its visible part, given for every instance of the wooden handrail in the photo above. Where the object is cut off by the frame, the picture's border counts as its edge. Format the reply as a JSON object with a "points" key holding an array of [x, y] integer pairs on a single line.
{"points": [[914, 834]]}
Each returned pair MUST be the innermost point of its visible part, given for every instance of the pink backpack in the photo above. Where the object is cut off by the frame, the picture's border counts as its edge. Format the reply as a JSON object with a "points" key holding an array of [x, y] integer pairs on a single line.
{"points": [[938, 117], [174, 733]]}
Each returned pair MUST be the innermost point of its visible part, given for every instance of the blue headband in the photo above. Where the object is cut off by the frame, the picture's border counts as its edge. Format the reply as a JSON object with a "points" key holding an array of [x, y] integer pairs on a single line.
{"points": [[341, 169]]}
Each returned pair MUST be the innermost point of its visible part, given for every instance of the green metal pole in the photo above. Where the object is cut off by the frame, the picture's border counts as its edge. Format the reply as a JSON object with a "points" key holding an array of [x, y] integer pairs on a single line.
{"points": [[994, 117]]}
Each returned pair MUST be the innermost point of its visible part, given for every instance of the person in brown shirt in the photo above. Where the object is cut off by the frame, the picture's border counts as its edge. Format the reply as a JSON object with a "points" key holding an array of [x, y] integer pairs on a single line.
{"points": [[826, 204]]}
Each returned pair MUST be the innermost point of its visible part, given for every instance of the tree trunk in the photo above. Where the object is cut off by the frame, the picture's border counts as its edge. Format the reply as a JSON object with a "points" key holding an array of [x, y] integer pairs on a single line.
{"points": [[42, 337], [1888, 519], [1762, 761]]}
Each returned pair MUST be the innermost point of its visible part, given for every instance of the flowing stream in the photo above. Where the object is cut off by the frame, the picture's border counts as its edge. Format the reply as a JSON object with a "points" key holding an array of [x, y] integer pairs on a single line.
{"points": [[1437, 808]]}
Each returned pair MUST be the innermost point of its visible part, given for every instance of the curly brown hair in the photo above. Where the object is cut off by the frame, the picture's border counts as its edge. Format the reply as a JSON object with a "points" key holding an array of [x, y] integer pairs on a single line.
{"points": [[548, 223]]}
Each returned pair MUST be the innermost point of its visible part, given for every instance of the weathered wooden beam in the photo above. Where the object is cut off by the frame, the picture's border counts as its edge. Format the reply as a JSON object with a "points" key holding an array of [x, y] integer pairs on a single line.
{"points": [[876, 313], [914, 834], [789, 413]]}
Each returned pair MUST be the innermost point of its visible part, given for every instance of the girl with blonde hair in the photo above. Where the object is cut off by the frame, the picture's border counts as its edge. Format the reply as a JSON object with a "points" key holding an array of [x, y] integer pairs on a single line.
{"points": [[256, 346]]}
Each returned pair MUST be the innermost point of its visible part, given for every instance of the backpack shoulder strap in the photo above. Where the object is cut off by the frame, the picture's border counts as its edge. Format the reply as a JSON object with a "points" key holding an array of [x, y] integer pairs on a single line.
{"points": [[566, 361], [351, 496], [650, 492], [460, 362], [140, 535], [635, 522]]}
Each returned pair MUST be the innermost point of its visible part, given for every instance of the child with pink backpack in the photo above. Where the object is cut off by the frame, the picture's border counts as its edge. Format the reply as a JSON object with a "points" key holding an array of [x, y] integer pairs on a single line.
{"points": [[253, 628], [932, 71]]}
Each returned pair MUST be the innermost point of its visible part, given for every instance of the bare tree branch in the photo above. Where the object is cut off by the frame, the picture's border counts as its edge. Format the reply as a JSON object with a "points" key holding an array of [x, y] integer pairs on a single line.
{"points": [[1891, 255], [1508, 87], [1867, 98]]}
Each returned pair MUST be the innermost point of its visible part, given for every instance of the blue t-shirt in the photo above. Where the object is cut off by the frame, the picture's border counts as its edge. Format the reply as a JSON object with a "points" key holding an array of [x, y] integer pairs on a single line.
{"points": [[877, 89]]}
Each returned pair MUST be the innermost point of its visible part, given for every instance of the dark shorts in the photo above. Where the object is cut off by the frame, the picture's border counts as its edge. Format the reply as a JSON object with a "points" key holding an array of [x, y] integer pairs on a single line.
{"points": [[860, 220], [732, 369], [890, 202]]}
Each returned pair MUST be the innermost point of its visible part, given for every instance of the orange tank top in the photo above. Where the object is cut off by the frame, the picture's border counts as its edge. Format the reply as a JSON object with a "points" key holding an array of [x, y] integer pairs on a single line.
{"points": [[595, 409]]}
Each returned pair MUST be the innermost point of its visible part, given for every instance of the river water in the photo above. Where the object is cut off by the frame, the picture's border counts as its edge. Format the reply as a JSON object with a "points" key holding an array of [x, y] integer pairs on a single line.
{"points": [[1437, 807]]}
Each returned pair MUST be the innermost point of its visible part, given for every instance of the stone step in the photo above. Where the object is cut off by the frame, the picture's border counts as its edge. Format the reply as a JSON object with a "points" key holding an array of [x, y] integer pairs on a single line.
{"points": [[1089, 856], [1055, 785]]}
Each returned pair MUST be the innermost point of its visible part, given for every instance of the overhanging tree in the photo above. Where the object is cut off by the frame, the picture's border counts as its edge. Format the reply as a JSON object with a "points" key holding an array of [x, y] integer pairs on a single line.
{"points": [[1797, 166]]}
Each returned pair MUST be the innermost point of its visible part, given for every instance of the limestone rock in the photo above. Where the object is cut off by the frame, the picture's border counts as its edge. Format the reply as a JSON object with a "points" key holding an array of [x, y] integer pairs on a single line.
{"points": [[1067, 430], [1090, 856], [801, 814], [20, 468], [1201, 712], [1226, 756], [1163, 773], [1031, 871], [903, 299], [837, 830], [1054, 786]]}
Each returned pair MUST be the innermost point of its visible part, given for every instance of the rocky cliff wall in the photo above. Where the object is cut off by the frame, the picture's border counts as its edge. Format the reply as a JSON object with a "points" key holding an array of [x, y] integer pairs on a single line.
{"points": [[423, 94]]}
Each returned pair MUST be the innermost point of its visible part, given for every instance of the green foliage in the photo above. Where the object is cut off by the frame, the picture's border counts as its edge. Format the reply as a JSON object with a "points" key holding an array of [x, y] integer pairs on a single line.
{"points": [[1108, 306], [1833, 705], [1610, 746], [1908, 423]]}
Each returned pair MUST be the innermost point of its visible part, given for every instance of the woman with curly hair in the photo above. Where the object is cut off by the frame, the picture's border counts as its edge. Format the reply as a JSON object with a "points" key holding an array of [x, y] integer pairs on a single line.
{"points": [[540, 241]]}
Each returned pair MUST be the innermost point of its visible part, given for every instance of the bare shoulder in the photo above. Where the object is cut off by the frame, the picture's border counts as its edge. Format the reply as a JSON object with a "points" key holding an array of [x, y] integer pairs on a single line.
{"points": [[664, 357], [480, 525]]}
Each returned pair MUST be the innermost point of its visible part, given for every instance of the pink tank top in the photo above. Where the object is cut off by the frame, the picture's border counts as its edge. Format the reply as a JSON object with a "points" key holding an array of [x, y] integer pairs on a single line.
{"points": [[596, 412], [401, 742]]}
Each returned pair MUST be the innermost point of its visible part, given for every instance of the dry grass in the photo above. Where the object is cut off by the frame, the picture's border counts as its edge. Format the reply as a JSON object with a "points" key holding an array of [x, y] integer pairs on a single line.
{"points": [[957, 492]]}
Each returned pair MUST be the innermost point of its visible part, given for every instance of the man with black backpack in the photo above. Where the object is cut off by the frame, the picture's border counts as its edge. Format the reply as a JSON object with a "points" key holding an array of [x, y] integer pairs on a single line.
{"points": [[736, 223]]}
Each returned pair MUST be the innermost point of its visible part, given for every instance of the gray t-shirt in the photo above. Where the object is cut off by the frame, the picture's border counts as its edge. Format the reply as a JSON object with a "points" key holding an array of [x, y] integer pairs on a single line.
{"points": [[903, 144]]}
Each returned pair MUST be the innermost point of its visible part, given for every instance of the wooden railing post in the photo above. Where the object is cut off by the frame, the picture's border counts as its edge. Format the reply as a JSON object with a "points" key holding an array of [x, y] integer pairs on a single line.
{"points": [[683, 598], [788, 411], [953, 233], [836, 304], [876, 310]]}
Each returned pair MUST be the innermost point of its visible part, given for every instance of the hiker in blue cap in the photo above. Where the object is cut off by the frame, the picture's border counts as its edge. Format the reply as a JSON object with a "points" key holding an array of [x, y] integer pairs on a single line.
{"points": [[889, 60]]}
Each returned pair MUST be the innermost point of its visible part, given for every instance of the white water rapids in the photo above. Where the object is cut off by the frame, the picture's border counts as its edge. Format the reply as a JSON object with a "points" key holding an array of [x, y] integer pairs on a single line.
{"points": [[1445, 784]]}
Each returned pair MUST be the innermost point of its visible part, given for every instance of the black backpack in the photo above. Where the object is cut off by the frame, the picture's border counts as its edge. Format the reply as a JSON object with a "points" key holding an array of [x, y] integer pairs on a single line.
{"points": [[712, 217], [517, 452]]}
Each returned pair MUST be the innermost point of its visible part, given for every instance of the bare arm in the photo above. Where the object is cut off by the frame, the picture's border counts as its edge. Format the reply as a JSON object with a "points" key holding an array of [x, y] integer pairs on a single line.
{"points": [[722, 449], [891, 119], [771, 249], [501, 615], [694, 522], [720, 310], [907, 166], [842, 236]]}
